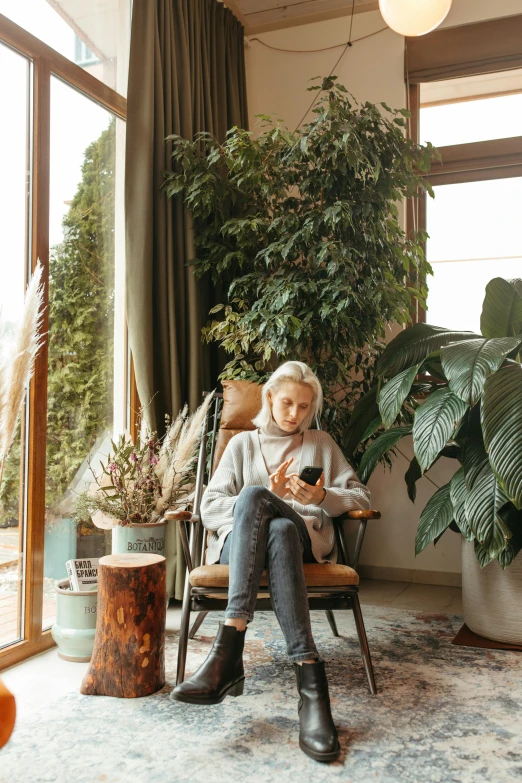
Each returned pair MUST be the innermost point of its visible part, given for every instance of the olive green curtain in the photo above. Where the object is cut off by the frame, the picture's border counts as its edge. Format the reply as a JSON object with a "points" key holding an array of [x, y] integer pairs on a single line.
{"points": [[186, 74]]}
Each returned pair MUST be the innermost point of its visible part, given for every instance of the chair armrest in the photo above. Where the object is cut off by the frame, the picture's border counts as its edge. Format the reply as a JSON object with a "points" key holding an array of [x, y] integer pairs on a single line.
{"points": [[363, 513], [182, 518]]}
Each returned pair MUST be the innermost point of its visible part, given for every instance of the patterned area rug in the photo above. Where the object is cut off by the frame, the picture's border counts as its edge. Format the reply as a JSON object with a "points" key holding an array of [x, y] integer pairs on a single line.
{"points": [[443, 714]]}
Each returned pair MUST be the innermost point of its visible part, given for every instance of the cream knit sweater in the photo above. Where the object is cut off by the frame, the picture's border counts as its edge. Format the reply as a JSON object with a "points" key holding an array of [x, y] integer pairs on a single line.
{"points": [[242, 465]]}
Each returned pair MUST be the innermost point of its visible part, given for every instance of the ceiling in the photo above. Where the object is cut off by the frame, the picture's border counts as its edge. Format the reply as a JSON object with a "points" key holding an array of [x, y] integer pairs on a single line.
{"points": [[260, 16]]}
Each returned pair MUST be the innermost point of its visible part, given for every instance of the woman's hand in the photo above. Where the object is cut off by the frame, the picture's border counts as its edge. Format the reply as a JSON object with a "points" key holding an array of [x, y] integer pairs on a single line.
{"points": [[304, 493], [279, 479]]}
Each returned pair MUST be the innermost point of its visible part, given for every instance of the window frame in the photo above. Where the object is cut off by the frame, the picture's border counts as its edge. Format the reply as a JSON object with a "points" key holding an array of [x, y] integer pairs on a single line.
{"points": [[491, 46], [45, 62]]}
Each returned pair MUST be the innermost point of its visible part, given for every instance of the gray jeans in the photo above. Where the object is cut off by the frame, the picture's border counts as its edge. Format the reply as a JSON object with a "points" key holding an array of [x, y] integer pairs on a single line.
{"points": [[267, 531]]}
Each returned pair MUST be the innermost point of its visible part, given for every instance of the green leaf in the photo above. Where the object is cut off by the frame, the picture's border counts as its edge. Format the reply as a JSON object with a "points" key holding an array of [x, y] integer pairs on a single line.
{"points": [[502, 308], [459, 494], [372, 428], [363, 414], [378, 448], [483, 505], [475, 460], [512, 517], [467, 364], [435, 422], [412, 475], [414, 345], [501, 418], [482, 555], [437, 515], [394, 393]]}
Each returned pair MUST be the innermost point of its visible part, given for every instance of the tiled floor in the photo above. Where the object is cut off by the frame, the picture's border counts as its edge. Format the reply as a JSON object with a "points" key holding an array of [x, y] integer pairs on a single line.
{"points": [[46, 677]]}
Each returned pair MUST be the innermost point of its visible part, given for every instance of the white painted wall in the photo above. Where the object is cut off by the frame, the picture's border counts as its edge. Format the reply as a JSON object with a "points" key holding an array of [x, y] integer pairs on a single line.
{"points": [[373, 70]]}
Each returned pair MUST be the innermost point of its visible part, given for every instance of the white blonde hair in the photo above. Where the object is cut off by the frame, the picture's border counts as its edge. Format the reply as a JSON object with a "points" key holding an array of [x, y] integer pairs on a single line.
{"points": [[291, 372]]}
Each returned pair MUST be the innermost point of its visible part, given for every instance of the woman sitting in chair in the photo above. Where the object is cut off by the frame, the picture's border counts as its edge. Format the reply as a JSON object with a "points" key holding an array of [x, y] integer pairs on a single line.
{"points": [[261, 514]]}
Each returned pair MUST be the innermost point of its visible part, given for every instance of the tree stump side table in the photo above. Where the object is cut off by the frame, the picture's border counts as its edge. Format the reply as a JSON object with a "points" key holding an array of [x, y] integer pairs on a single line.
{"points": [[128, 659]]}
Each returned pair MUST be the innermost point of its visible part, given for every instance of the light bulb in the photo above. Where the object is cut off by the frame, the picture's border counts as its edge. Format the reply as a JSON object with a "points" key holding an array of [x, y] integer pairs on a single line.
{"points": [[414, 17]]}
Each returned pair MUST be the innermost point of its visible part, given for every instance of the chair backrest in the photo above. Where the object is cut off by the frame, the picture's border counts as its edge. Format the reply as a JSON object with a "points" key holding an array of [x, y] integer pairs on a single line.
{"points": [[241, 403]]}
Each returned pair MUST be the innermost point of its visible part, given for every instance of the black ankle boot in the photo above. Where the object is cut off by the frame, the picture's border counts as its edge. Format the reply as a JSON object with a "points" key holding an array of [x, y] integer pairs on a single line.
{"points": [[317, 733], [221, 675]]}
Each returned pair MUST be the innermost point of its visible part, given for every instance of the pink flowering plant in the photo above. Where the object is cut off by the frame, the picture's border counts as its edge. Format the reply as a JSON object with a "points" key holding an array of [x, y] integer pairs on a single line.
{"points": [[139, 481]]}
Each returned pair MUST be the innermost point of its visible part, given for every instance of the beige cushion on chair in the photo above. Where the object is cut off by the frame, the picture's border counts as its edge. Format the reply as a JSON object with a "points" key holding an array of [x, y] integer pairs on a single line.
{"points": [[316, 575]]}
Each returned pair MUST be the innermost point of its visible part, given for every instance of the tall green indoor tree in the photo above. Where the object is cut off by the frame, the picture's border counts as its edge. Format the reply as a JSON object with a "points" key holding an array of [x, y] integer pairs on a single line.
{"points": [[303, 229]]}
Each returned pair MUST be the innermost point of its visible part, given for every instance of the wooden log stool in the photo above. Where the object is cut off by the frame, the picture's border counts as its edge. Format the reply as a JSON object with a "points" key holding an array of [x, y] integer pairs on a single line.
{"points": [[7, 714], [129, 647]]}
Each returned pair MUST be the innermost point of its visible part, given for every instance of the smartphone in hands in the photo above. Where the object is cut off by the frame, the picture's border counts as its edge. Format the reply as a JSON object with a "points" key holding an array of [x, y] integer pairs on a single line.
{"points": [[311, 474]]}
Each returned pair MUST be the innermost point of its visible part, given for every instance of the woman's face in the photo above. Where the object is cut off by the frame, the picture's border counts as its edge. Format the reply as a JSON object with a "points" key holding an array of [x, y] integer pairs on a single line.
{"points": [[290, 404]]}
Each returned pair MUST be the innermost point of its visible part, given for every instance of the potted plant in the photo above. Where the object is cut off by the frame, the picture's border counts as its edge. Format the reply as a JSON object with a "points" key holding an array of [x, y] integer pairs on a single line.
{"points": [[301, 231], [471, 411], [139, 481], [75, 625]]}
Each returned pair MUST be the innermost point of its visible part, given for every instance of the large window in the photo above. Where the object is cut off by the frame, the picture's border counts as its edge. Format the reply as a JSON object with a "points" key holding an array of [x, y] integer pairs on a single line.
{"points": [[475, 234], [93, 35], [61, 200], [474, 221], [83, 363]]}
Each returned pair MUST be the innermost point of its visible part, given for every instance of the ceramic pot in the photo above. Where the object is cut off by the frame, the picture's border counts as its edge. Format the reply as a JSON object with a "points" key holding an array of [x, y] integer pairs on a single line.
{"points": [[139, 538], [75, 624], [491, 597]]}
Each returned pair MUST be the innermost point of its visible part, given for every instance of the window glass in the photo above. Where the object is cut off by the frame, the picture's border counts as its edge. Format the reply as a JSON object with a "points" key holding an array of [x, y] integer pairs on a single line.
{"points": [[475, 234], [86, 353], [95, 36], [14, 233], [475, 120]]}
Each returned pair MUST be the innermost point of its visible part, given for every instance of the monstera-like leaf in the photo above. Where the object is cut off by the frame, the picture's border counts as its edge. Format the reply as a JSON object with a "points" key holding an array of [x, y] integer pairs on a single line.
{"points": [[414, 345], [467, 364], [378, 448], [502, 308], [437, 515], [502, 428], [434, 424], [394, 393]]}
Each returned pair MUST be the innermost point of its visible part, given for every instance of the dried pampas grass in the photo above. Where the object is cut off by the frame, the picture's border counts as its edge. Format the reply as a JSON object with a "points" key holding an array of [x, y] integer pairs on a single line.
{"points": [[17, 368], [180, 445]]}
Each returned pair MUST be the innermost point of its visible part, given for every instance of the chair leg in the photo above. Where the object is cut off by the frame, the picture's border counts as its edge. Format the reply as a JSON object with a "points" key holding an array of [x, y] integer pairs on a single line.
{"points": [[331, 621], [183, 635], [197, 622], [363, 642]]}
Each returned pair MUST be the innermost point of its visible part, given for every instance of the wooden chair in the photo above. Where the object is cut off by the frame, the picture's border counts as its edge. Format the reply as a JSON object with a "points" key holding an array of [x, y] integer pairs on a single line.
{"points": [[329, 587]]}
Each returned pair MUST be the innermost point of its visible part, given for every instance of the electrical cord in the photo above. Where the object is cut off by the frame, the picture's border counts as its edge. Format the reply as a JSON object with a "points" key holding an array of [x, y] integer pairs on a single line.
{"points": [[324, 49]]}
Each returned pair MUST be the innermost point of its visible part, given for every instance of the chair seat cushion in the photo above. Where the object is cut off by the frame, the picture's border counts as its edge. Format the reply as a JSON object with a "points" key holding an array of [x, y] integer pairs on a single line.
{"points": [[316, 575]]}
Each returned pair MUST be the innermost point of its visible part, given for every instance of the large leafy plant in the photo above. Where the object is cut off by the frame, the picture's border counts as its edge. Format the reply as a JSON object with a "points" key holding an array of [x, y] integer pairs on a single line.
{"points": [[472, 411], [301, 229]]}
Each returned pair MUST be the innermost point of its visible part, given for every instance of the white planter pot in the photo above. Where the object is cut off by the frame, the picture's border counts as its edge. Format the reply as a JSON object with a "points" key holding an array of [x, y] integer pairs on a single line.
{"points": [[148, 538], [492, 597], [75, 624]]}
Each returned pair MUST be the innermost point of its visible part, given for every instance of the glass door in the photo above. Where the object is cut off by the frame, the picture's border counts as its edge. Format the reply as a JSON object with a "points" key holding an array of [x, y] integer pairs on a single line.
{"points": [[86, 363]]}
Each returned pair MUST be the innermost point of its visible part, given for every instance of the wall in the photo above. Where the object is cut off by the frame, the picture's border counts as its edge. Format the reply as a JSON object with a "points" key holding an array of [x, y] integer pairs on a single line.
{"points": [[372, 69]]}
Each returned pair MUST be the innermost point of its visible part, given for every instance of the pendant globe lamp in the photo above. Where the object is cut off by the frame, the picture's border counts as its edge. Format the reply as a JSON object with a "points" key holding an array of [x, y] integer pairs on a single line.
{"points": [[414, 17]]}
